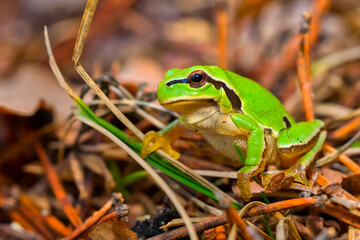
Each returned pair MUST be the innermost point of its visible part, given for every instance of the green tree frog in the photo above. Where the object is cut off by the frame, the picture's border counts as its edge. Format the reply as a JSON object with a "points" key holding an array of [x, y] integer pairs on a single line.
{"points": [[229, 109]]}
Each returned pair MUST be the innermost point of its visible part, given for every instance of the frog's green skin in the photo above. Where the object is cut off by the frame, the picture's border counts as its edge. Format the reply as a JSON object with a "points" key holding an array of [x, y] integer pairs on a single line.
{"points": [[227, 108]]}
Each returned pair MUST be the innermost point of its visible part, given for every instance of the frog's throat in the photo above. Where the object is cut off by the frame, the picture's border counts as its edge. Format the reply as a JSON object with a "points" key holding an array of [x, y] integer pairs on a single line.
{"points": [[194, 111]]}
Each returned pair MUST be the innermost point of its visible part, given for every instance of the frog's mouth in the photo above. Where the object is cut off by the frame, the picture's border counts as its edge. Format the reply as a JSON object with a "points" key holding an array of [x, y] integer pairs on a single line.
{"points": [[187, 101], [189, 106]]}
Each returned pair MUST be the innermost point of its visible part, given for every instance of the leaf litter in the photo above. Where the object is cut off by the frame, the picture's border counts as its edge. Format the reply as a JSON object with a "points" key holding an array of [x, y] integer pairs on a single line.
{"points": [[261, 45]]}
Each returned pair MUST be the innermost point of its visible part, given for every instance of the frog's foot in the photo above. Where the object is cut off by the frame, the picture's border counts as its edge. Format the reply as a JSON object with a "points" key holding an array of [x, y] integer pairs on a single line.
{"points": [[276, 181], [243, 180], [153, 141], [299, 173]]}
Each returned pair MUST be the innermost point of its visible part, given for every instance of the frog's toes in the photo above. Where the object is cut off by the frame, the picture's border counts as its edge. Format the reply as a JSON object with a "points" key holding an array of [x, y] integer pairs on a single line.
{"points": [[153, 141], [277, 181], [243, 181], [299, 174]]}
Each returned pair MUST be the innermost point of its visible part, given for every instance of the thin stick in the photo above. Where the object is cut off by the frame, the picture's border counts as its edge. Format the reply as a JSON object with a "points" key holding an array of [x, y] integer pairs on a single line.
{"points": [[221, 219], [95, 217]]}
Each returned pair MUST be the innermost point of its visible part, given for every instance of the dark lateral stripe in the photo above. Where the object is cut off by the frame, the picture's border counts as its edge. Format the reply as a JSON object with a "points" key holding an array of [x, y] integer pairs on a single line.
{"points": [[233, 97], [184, 80], [286, 121]]}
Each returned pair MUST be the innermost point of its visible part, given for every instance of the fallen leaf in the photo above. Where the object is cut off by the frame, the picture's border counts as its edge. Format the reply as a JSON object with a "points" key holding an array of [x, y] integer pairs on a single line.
{"points": [[112, 230], [332, 175], [276, 182], [28, 88], [352, 183]]}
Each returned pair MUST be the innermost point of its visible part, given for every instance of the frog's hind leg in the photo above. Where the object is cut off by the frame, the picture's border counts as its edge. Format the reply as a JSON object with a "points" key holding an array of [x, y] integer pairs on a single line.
{"points": [[302, 140], [256, 150]]}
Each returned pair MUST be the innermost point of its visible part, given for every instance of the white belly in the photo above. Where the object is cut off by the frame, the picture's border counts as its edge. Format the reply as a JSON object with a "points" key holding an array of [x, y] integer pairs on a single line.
{"points": [[225, 145]]}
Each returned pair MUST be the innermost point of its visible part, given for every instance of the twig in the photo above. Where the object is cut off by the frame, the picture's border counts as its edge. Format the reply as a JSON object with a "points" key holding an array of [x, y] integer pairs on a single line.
{"points": [[117, 198], [221, 219]]}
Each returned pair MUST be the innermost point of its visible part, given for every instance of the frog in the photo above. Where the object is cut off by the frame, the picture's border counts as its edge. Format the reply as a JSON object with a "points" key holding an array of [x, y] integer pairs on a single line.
{"points": [[236, 114]]}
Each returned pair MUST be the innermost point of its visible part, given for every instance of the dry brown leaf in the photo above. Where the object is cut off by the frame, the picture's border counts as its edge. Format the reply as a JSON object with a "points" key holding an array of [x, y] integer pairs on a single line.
{"points": [[332, 175], [28, 88], [333, 189], [352, 182], [112, 230], [277, 181]]}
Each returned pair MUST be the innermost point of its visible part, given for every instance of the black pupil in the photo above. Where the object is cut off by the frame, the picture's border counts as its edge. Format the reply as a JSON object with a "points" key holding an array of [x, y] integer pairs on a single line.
{"points": [[197, 77]]}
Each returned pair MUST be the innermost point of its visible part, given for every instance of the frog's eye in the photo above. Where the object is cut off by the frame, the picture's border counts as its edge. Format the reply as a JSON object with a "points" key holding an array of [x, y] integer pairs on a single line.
{"points": [[197, 78]]}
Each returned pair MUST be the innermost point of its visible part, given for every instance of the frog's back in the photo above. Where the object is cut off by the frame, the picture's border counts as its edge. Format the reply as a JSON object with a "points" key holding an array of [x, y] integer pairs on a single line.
{"points": [[256, 101]]}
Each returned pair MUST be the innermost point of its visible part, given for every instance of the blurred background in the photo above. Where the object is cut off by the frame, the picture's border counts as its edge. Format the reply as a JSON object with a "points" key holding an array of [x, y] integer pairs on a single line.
{"points": [[137, 41]]}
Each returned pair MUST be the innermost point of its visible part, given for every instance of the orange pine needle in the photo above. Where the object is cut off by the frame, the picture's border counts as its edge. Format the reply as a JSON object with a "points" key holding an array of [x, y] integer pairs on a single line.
{"points": [[318, 10], [36, 220], [344, 159], [277, 206], [56, 186], [222, 34], [94, 218], [303, 66], [57, 226], [343, 131], [17, 217], [109, 217], [233, 217], [50, 220]]}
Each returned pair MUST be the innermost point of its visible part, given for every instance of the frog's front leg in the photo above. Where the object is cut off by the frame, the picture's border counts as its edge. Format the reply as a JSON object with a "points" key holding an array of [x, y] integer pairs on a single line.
{"points": [[254, 162], [163, 139], [301, 141]]}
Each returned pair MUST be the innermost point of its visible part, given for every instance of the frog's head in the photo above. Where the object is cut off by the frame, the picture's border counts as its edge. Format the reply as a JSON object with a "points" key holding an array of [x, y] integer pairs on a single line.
{"points": [[194, 87]]}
